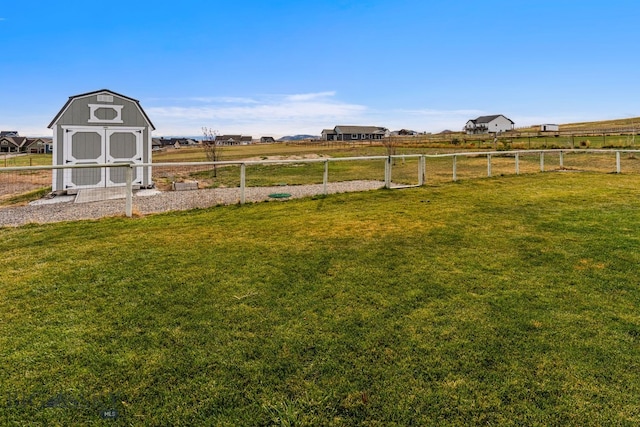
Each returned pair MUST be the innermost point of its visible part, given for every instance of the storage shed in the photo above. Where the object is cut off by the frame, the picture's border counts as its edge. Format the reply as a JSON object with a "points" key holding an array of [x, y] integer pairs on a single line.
{"points": [[549, 128], [100, 127]]}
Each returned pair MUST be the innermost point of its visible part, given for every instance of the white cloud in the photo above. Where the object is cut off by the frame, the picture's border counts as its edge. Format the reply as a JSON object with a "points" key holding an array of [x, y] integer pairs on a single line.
{"points": [[276, 115], [304, 113], [279, 115], [310, 96]]}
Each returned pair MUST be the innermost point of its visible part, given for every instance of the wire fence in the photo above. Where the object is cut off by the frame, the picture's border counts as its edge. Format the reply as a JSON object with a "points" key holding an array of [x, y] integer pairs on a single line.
{"points": [[33, 184]]}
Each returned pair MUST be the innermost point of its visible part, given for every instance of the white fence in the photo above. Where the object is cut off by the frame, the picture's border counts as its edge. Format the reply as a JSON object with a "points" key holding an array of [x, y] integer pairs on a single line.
{"points": [[428, 166]]}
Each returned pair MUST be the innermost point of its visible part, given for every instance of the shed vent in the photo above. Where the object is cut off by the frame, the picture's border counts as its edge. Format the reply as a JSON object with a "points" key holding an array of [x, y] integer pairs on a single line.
{"points": [[105, 98]]}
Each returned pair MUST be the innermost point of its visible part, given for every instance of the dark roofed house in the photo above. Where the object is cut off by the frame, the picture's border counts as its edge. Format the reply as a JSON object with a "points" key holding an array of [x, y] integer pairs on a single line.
{"points": [[228, 139], [22, 144], [267, 139], [328, 135], [158, 143], [354, 133], [38, 146], [489, 124], [11, 144], [233, 140]]}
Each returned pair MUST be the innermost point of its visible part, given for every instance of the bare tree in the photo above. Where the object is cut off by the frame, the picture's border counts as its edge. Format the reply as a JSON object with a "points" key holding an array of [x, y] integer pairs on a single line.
{"points": [[212, 149], [390, 144]]}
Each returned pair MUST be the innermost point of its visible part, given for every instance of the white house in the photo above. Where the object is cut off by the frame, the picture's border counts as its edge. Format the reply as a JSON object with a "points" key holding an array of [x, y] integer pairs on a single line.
{"points": [[489, 124]]}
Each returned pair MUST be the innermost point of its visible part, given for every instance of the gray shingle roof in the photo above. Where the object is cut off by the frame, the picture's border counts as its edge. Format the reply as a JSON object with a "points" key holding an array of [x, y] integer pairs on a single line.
{"points": [[228, 137], [487, 119], [359, 129]]}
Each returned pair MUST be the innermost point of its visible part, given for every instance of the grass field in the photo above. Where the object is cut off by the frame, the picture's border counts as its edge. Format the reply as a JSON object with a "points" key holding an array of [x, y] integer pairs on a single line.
{"points": [[502, 301]]}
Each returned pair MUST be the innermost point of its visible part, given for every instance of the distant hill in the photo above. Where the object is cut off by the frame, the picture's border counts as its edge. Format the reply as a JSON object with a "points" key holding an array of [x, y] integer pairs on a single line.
{"points": [[298, 137], [631, 122]]}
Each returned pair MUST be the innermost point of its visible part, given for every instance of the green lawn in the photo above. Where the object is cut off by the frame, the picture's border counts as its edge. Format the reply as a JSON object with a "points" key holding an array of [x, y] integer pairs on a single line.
{"points": [[503, 301], [25, 160]]}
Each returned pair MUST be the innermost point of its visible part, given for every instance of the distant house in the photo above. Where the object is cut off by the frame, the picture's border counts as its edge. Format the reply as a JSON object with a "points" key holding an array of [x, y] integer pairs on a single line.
{"points": [[267, 139], [157, 143], [233, 140], [38, 146], [328, 135], [549, 128], [354, 133], [22, 144], [11, 144], [489, 124], [404, 132], [228, 139]]}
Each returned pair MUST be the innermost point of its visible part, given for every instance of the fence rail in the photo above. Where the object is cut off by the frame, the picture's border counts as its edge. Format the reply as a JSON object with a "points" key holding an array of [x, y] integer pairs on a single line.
{"points": [[399, 171]]}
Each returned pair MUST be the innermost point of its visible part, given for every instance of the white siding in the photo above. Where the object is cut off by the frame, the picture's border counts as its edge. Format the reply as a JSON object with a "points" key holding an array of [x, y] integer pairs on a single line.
{"points": [[499, 124]]}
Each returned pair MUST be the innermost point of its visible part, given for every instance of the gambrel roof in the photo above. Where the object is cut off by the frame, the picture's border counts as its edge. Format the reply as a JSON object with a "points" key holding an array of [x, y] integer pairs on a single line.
{"points": [[102, 91]]}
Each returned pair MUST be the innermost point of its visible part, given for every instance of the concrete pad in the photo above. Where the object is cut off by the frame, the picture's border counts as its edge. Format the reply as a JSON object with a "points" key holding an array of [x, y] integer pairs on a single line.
{"points": [[146, 193], [185, 186], [56, 199], [99, 194]]}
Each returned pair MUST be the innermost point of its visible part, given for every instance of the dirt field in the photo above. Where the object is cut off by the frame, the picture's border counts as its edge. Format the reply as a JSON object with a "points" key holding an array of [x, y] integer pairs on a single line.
{"points": [[14, 183]]}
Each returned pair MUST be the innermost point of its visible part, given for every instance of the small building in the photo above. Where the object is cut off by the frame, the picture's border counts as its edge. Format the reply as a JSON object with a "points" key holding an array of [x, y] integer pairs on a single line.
{"points": [[354, 133], [489, 124], [328, 135], [100, 127], [233, 140], [267, 139], [549, 128]]}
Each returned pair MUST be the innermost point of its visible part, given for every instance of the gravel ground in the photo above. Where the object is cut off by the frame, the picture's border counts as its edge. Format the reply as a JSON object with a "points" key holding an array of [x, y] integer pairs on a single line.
{"points": [[66, 210]]}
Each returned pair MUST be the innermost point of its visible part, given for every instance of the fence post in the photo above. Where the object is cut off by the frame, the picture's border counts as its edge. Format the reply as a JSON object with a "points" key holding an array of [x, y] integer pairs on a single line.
{"points": [[387, 173], [422, 170], [561, 159], [129, 196], [243, 171], [325, 177], [517, 163], [455, 168], [542, 161], [489, 165], [617, 162]]}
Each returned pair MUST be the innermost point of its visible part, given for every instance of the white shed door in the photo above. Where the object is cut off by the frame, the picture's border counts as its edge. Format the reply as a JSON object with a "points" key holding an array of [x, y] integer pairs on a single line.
{"points": [[94, 145]]}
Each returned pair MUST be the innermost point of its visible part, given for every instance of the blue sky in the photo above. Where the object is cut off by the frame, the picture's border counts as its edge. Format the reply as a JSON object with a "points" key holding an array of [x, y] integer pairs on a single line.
{"points": [[283, 67]]}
